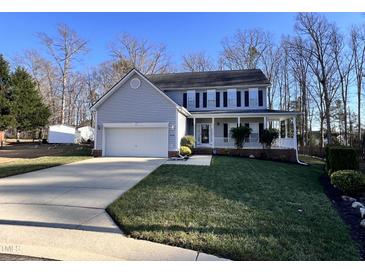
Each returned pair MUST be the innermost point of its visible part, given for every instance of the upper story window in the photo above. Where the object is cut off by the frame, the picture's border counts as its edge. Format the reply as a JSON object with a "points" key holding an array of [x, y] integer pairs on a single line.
{"points": [[197, 100], [232, 97], [253, 98], [225, 100], [261, 98], [204, 99], [191, 98], [185, 100], [211, 98], [217, 99]]}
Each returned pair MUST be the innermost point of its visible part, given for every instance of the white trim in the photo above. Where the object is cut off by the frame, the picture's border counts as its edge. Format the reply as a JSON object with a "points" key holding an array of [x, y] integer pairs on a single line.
{"points": [[135, 125], [96, 129], [233, 114]]}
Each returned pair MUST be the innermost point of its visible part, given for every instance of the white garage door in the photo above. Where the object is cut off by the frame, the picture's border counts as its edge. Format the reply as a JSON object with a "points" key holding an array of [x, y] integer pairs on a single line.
{"points": [[139, 141]]}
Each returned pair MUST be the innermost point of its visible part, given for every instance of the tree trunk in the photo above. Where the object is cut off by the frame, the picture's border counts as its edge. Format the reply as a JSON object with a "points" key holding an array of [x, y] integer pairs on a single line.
{"points": [[359, 85]]}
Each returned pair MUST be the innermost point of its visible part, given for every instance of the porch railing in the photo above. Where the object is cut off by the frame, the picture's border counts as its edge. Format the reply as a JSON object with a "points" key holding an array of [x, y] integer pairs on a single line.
{"points": [[228, 142], [251, 142]]}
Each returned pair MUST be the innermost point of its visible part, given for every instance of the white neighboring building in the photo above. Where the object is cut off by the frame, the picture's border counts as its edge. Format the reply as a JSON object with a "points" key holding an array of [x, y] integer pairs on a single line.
{"points": [[62, 134], [86, 133]]}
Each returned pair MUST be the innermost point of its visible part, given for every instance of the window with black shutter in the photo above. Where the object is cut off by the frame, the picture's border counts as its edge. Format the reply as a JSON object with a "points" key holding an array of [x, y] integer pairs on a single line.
{"points": [[197, 100], [247, 102], [204, 99], [261, 98], [185, 100], [225, 99], [217, 99], [238, 99], [225, 130]]}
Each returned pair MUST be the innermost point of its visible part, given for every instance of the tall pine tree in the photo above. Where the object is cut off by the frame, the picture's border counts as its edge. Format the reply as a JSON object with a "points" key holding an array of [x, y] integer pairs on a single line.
{"points": [[26, 103], [5, 114]]}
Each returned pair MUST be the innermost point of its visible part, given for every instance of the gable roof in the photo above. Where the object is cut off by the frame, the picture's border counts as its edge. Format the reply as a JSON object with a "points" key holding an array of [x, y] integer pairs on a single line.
{"points": [[124, 79], [206, 79]]}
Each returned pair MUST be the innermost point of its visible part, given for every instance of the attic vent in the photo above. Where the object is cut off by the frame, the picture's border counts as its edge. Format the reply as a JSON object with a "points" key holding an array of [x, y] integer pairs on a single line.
{"points": [[135, 83]]}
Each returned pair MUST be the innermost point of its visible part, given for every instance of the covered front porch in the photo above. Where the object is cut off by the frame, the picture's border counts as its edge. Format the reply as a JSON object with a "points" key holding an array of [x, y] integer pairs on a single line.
{"points": [[215, 131]]}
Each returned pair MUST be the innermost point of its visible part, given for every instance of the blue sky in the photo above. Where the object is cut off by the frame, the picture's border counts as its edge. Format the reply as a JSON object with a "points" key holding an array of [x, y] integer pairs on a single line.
{"points": [[181, 32]]}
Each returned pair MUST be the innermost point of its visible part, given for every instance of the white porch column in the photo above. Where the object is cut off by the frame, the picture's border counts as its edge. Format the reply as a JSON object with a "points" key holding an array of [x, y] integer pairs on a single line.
{"points": [[265, 122], [238, 121], [194, 129], [286, 128], [213, 132], [295, 131]]}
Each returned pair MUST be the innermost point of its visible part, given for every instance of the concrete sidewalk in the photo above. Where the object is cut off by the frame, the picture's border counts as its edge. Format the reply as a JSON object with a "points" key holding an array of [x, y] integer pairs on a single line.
{"points": [[59, 213]]}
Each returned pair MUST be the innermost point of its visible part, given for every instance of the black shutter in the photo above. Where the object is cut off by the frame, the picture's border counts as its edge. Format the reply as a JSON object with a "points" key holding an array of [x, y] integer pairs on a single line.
{"points": [[246, 99], [247, 125], [261, 129], [204, 99], [185, 100], [225, 130], [261, 99], [197, 101], [238, 99], [225, 99], [217, 99]]}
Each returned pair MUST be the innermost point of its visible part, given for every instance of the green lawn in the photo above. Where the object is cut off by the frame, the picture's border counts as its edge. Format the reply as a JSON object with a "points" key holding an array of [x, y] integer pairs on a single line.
{"points": [[26, 165], [238, 208]]}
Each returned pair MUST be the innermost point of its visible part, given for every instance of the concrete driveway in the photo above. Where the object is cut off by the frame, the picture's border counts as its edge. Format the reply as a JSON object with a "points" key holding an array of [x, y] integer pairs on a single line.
{"points": [[59, 212]]}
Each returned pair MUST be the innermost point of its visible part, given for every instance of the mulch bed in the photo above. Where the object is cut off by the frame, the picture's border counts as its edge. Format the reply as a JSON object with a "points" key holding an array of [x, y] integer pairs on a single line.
{"points": [[349, 215]]}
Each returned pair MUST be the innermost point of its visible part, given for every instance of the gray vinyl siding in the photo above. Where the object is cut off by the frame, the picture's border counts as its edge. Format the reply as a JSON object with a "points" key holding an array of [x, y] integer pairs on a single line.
{"points": [[142, 105], [177, 97]]}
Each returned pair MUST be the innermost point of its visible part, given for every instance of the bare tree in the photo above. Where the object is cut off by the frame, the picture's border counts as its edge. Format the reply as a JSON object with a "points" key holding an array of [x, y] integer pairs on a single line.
{"points": [[344, 65], [317, 34], [270, 62], [358, 51], [140, 54], [197, 61], [299, 69], [244, 49], [64, 49]]}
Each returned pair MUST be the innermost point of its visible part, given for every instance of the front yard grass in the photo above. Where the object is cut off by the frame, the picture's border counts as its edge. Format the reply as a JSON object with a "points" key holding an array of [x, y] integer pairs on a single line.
{"points": [[241, 209], [71, 154]]}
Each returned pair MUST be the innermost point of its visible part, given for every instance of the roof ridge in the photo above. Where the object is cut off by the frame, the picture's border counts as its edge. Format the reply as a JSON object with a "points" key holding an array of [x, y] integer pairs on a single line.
{"points": [[208, 71]]}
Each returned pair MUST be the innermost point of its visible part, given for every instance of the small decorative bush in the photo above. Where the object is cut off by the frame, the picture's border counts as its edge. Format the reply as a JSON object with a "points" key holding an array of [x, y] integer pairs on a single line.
{"points": [[268, 136], [348, 181], [239, 134], [342, 158], [188, 141], [184, 150]]}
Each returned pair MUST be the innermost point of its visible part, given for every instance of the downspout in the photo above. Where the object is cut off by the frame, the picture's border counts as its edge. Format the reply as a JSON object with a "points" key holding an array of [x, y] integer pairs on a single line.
{"points": [[297, 156], [295, 140]]}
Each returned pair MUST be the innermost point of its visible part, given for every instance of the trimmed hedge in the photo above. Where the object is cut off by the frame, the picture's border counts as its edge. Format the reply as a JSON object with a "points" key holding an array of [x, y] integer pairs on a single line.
{"points": [[348, 181], [184, 150], [327, 152], [341, 158]]}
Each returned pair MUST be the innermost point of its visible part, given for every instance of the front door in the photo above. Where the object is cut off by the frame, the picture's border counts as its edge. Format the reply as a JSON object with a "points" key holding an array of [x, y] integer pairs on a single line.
{"points": [[204, 134]]}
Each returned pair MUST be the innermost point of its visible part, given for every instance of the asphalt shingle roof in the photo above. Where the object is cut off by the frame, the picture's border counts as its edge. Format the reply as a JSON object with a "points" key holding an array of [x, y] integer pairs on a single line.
{"points": [[209, 79]]}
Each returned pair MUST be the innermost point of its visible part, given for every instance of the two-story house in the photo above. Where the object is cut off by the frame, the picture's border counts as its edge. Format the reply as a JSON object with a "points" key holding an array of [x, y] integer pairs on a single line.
{"points": [[148, 115]]}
